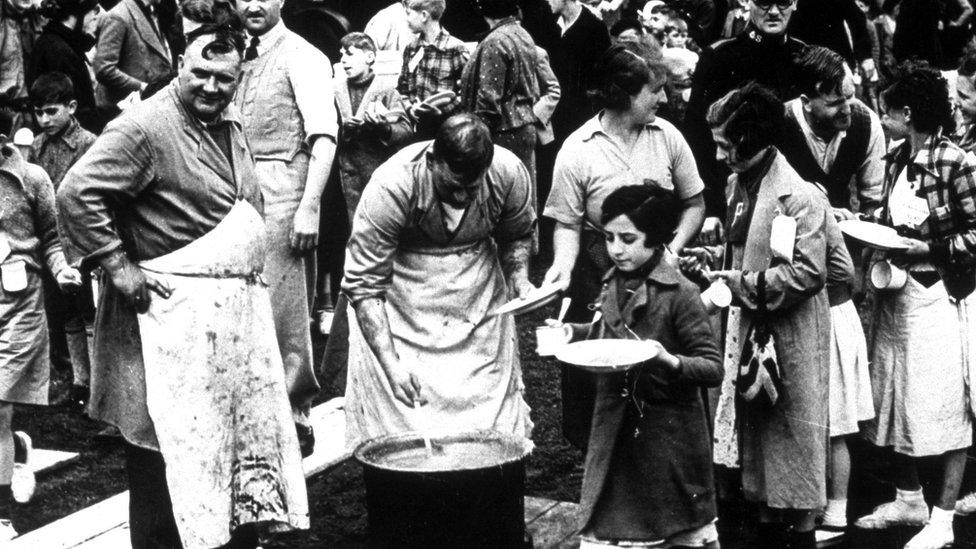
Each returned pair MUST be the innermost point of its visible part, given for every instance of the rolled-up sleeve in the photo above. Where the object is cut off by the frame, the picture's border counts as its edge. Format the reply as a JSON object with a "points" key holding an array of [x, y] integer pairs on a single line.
{"points": [[566, 203], [115, 170], [376, 229], [872, 171], [310, 73], [518, 211]]}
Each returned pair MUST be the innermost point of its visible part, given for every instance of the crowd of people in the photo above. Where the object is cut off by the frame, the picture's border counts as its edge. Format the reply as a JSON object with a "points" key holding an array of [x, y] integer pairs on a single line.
{"points": [[164, 206]]}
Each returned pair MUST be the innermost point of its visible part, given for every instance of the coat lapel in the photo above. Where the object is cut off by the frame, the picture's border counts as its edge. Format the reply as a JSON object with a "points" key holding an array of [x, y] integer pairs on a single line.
{"points": [[146, 31], [343, 102]]}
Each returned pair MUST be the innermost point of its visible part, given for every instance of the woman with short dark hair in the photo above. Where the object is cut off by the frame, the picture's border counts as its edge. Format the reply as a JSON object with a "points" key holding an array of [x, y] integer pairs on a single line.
{"points": [[918, 367], [625, 144], [777, 277]]}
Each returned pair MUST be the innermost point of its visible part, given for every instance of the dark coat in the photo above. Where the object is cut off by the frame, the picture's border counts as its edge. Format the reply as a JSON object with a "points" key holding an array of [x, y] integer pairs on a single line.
{"points": [[63, 50], [648, 475], [821, 22], [573, 62], [724, 66], [129, 54]]}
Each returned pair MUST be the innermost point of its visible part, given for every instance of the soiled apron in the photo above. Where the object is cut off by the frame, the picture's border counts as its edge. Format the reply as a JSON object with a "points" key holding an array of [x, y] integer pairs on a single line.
{"points": [[290, 277], [215, 388], [918, 372], [467, 361]]}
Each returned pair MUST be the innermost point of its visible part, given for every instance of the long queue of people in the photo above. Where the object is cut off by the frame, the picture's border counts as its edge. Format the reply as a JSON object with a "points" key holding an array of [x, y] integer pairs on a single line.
{"points": [[661, 169]]}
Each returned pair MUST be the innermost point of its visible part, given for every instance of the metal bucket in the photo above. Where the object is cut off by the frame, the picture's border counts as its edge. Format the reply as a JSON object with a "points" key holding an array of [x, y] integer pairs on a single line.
{"points": [[470, 493]]}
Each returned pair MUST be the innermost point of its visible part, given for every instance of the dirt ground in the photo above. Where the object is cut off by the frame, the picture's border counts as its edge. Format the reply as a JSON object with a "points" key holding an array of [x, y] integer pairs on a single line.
{"points": [[337, 498]]}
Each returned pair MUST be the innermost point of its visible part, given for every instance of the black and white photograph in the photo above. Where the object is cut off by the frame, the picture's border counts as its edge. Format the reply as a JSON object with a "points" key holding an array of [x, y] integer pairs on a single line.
{"points": [[487, 274]]}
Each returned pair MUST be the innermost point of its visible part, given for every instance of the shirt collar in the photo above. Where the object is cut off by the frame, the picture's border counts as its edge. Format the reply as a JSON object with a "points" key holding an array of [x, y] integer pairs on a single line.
{"points": [[662, 273], [506, 21], [266, 40], [797, 106], [593, 126], [565, 25]]}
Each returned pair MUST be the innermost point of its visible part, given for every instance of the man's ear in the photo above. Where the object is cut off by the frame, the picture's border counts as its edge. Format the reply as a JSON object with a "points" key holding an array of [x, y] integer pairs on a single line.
{"points": [[805, 101]]}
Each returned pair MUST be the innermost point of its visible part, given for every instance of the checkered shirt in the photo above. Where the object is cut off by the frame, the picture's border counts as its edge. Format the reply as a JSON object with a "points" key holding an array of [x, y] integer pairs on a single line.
{"points": [[948, 184], [439, 69]]}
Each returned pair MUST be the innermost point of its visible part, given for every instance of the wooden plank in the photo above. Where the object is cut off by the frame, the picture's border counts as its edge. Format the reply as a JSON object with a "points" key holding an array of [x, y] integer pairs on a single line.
{"points": [[45, 461], [87, 527], [556, 527], [87, 524], [329, 422], [536, 507], [116, 538]]}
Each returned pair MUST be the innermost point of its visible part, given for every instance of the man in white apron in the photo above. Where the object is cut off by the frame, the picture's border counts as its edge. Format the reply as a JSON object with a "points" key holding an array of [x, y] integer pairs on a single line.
{"points": [[440, 240], [288, 109], [167, 202]]}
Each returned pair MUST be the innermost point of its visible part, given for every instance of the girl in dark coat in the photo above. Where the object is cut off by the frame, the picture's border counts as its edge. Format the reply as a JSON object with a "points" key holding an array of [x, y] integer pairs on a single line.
{"points": [[648, 472], [62, 47]]}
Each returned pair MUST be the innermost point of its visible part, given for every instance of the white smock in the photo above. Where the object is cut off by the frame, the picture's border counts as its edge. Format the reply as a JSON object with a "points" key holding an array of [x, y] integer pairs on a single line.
{"points": [[215, 387]]}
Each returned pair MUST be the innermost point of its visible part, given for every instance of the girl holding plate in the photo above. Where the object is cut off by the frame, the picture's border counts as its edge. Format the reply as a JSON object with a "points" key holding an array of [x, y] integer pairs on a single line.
{"points": [[648, 474], [919, 365]]}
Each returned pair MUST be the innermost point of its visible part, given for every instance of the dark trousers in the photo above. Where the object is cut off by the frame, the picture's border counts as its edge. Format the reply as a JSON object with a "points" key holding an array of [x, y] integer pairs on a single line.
{"points": [[151, 522]]}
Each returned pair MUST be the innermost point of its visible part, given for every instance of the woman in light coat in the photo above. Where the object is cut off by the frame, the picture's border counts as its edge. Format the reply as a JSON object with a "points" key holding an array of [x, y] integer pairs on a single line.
{"points": [[783, 448]]}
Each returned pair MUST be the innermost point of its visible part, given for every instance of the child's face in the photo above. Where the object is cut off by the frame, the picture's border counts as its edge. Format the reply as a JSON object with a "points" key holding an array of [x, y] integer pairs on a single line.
{"points": [[54, 117], [677, 38], [626, 244], [356, 62], [416, 19]]}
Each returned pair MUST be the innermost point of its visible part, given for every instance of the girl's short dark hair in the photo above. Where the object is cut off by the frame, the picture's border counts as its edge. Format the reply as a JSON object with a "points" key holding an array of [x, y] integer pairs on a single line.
{"points": [[653, 211], [623, 71], [751, 117], [923, 90]]}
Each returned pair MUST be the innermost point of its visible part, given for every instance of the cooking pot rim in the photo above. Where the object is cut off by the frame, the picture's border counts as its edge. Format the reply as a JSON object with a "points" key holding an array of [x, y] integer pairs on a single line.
{"points": [[517, 447]]}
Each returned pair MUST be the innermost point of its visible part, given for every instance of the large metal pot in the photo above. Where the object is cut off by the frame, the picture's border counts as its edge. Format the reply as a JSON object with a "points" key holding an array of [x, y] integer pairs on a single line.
{"points": [[469, 493]]}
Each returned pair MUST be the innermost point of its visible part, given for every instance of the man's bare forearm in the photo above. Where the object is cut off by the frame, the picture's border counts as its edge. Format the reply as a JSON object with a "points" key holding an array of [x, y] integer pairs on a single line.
{"points": [[375, 326], [319, 167], [514, 257]]}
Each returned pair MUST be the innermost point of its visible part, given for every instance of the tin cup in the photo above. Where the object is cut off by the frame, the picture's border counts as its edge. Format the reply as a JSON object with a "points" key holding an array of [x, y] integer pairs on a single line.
{"points": [[885, 276], [13, 275], [717, 297], [548, 339]]}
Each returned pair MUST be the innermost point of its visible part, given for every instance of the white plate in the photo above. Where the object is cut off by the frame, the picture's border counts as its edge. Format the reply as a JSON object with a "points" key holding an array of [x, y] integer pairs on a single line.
{"points": [[873, 235], [542, 296], [606, 355]]}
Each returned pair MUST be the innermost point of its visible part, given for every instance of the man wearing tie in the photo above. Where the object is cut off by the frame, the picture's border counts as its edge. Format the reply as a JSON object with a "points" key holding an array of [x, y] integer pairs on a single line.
{"points": [[132, 52], [287, 104]]}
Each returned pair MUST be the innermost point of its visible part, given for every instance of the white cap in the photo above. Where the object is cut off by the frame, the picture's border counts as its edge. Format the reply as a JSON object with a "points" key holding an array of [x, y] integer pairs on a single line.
{"points": [[24, 137]]}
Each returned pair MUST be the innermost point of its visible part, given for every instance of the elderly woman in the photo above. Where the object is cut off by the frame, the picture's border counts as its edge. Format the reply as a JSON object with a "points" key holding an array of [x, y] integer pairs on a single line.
{"points": [[776, 276], [918, 367], [625, 144]]}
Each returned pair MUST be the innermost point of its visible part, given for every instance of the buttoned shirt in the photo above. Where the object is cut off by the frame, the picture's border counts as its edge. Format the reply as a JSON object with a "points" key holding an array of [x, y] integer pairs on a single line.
{"points": [[56, 153], [437, 69], [870, 175], [946, 179], [592, 164]]}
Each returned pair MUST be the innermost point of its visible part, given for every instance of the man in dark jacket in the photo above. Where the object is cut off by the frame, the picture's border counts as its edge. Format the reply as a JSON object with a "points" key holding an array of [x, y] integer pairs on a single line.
{"points": [[763, 52], [822, 22], [583, 40]]}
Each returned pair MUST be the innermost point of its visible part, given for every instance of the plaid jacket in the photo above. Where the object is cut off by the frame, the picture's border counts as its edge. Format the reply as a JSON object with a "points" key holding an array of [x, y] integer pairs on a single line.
{"points": [[438, 70], [948, 184]]}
